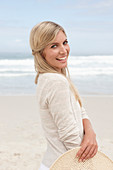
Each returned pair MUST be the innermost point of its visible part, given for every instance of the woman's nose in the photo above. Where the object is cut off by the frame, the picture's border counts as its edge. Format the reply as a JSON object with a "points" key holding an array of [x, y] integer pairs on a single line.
{"points": [[62, 50]]}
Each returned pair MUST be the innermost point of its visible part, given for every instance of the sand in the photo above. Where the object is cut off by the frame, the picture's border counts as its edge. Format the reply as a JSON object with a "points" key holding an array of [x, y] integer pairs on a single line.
{"points": [[22, 143]]}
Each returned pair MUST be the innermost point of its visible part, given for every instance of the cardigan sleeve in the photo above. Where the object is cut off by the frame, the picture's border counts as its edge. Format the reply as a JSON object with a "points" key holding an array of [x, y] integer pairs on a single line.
{"points": [[84, 114], [60, 108]]}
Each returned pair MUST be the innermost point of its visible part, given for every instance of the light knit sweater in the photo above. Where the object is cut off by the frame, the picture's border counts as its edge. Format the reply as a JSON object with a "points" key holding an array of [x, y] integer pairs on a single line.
{"points": [[61, 115]]}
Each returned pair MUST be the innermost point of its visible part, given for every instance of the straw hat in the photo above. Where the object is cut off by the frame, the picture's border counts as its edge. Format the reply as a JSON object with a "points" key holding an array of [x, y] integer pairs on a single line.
{"points": [[68, 161]]}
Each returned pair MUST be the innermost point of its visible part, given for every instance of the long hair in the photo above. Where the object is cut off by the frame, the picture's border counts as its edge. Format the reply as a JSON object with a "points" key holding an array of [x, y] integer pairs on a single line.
{"points": [[42, 35]]}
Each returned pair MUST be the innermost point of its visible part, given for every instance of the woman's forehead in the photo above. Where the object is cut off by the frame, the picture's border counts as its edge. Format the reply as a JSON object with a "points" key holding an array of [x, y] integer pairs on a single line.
{"points": [[59, 37]]}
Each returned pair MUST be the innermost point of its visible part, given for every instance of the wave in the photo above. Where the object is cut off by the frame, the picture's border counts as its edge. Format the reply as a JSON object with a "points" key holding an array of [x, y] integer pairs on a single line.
{"points": [[72, 60], [90, 71], [6, 62], [16, 70], [17, 74], [90, 60], [78, 65], [73, 71]]}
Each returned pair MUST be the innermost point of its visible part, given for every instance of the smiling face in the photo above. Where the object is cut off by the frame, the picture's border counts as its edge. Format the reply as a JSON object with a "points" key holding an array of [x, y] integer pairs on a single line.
{"points": [[56, 53]]}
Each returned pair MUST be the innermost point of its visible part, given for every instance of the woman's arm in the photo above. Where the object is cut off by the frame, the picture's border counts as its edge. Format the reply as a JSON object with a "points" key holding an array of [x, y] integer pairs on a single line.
{"points": [[89, 145], [58, 99]]}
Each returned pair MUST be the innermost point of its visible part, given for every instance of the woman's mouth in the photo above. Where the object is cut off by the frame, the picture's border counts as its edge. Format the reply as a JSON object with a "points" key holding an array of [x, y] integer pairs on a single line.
{"points": [[61, 59]]}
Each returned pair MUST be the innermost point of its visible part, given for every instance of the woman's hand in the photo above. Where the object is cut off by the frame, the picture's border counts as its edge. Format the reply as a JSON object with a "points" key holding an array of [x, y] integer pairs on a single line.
{"points": [[89, 145]]}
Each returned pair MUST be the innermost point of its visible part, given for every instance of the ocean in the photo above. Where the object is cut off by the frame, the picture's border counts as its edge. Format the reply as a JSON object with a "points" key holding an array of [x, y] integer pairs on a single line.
{"points": [[92, 75]]}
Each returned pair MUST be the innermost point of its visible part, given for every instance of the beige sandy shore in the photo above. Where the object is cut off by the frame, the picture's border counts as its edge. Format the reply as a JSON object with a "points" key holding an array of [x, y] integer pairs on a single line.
{"points": [[21, 138]]}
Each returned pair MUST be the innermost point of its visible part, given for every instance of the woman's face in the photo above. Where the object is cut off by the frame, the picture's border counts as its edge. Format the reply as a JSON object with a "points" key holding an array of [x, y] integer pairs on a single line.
{"points": [[56, 54]]}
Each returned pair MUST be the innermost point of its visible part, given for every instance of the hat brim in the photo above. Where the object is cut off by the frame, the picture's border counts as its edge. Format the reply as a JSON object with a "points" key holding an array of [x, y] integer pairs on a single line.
{"points": [[68, 161]]}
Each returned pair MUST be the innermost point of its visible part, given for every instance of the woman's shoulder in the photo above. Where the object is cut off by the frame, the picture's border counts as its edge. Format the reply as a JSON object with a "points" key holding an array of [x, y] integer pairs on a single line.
{"points": [[53, 78], [48, 83]]}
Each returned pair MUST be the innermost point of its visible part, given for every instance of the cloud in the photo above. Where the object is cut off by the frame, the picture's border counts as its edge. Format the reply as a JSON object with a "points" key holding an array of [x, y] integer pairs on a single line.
{"points": [[18, 40], [94, 6]]}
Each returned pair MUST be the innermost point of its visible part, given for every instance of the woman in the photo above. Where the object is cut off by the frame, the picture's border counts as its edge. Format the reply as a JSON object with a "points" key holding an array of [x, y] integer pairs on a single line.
{"points": [[64, 120]]}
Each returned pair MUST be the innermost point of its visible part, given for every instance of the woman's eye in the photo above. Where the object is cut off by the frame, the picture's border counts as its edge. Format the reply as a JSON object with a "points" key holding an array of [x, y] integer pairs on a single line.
{"points": [[65, 42], [53, 46]]}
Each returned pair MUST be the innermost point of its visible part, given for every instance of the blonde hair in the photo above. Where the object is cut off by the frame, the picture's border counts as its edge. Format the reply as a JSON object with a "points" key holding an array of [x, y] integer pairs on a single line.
{"points": [[41, 35]]}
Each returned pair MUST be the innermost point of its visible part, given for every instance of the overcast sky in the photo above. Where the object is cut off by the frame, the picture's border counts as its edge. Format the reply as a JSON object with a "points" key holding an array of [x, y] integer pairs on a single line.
{"points": [[88, 23]]}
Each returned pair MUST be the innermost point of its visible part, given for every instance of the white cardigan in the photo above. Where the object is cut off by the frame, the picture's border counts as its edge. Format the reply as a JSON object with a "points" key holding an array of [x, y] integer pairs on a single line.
{"points": [[61, 115]]}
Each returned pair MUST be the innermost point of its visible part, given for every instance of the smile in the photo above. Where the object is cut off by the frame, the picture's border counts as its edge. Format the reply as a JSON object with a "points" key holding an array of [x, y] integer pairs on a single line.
{"points": [[63, 58]]}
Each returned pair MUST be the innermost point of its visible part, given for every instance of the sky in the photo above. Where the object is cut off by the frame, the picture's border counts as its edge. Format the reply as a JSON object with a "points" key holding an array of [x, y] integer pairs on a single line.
{"points": [[88, 24]]}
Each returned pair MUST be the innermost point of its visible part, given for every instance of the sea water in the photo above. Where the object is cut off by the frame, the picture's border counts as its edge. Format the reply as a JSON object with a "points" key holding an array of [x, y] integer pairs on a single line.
{"points": [[92, 75]]}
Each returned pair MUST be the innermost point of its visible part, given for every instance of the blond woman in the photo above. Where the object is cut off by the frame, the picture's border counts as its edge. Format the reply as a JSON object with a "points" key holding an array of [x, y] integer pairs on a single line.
{"points": [[64, 120]]}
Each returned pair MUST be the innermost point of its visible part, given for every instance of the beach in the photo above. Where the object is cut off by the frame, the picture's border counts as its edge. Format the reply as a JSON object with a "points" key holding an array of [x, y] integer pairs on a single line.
{"points": [[22, 143]]}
